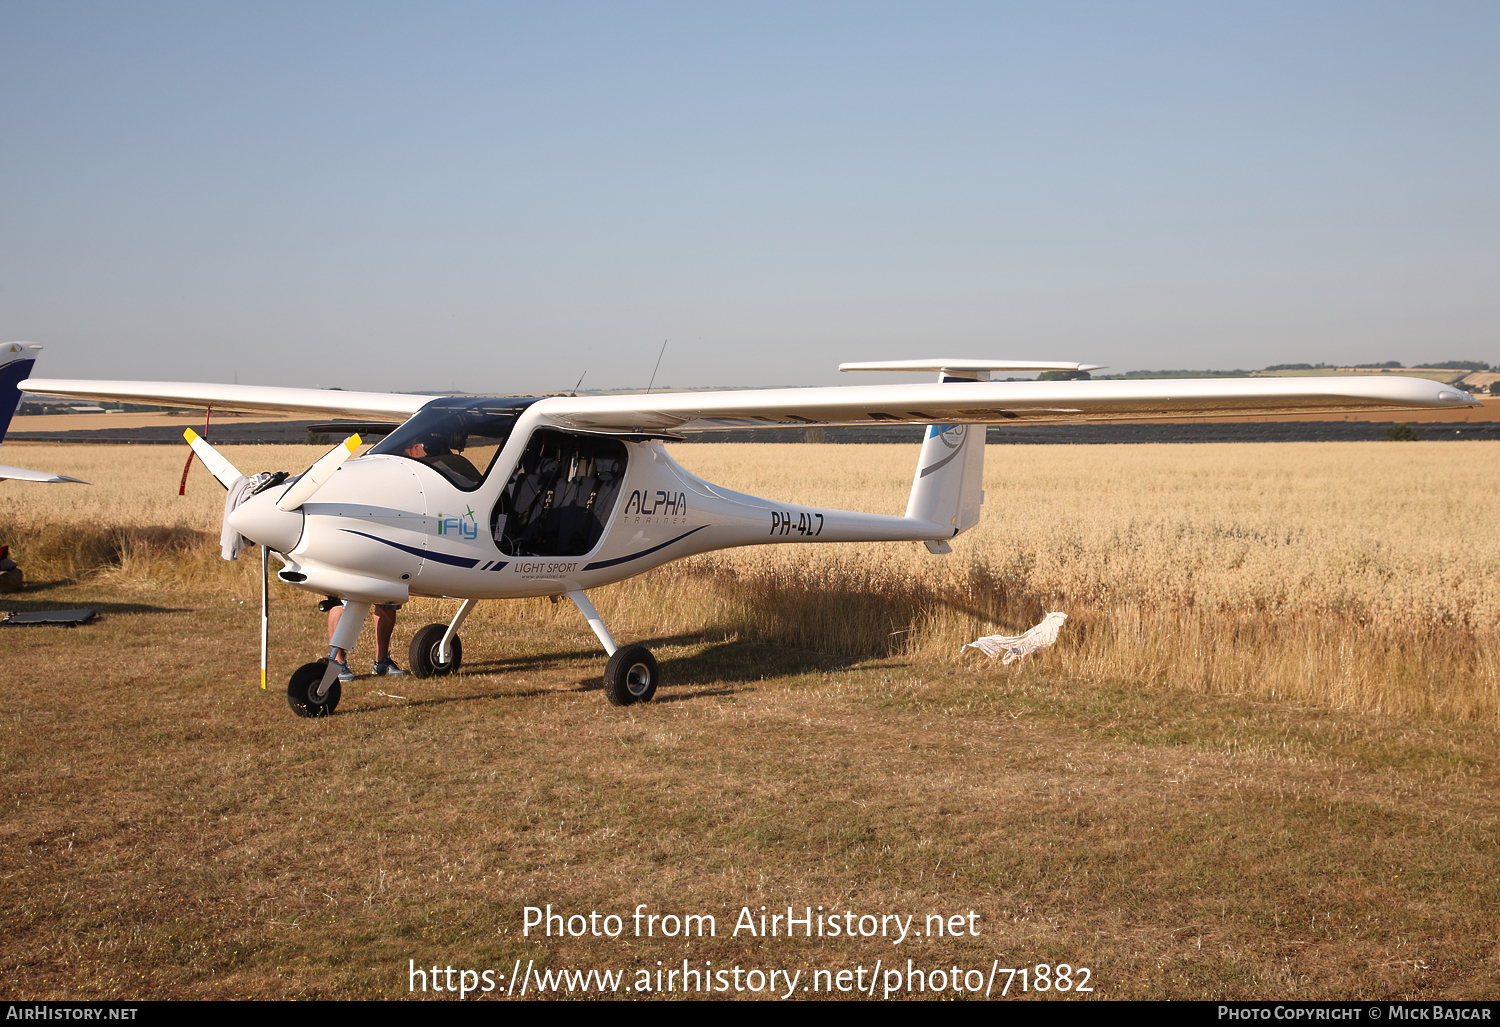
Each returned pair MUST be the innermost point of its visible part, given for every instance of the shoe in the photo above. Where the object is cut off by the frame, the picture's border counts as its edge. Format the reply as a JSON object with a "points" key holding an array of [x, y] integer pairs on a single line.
{"points": [[345, 674], [388, 668]]}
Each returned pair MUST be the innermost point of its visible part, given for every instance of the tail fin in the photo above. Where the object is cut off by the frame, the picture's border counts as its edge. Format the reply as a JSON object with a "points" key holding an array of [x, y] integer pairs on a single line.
{"points": [[948, 485], [16, 362], [946, 488]]}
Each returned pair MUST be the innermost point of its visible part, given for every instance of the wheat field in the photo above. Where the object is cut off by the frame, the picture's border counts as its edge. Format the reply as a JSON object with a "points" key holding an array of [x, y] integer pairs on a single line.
{"points": [[1352, 575]]}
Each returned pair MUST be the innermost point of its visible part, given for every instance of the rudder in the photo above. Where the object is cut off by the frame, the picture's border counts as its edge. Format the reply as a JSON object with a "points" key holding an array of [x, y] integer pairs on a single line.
{"points": [[19, 358], [947, 486]]}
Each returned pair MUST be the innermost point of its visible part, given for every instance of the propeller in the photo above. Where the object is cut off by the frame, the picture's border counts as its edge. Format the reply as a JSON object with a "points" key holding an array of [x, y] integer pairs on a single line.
{"points": [[268, 523], [220, 468], [316, 476], [265, 611], [300, 491], [228, 474]]}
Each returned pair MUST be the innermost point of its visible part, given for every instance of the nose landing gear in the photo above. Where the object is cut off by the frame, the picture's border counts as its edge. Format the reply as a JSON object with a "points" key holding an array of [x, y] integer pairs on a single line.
{"points": [[302, 691]]}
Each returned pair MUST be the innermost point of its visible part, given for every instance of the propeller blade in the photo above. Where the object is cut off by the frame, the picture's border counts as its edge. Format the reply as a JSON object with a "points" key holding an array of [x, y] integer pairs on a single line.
{"points": [[265, 610], [220, 468], [317, 475]]}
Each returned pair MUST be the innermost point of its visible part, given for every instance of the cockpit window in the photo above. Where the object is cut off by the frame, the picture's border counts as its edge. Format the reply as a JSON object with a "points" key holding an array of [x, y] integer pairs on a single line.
{"points": [[459, 437], [560, 496]]}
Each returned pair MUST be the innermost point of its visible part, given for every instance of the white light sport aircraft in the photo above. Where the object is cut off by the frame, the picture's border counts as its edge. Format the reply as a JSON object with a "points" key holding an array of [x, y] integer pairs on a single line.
{"points": [[16, 362], [494, 498]]}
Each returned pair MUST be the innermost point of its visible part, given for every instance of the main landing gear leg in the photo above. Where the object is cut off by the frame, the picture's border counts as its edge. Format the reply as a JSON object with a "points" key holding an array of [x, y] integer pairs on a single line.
{"points": [[436, 649], [591, 615], [445, 647], [631, 675], [314, 689]]}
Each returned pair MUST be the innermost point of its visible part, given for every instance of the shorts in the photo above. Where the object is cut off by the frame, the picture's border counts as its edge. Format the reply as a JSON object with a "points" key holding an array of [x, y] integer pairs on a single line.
{"points": [[331, 602]]}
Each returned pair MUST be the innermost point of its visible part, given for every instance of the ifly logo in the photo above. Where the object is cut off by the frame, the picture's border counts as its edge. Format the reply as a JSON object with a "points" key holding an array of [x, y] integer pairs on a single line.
{"points": [[458, 526]]}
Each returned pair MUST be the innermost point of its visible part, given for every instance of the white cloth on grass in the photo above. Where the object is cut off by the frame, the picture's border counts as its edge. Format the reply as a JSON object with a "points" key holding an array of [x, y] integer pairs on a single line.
{"points": [[1016, 646]]}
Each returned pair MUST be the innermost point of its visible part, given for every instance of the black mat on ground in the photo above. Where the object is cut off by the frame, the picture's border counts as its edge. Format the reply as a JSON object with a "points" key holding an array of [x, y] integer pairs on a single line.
{"points": [[67, 618]]}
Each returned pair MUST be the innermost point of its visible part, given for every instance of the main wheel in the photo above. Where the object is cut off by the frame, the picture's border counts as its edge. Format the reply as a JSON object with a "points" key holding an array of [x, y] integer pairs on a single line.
{"points": [[630, 676], [424, 652], [300, 688]]}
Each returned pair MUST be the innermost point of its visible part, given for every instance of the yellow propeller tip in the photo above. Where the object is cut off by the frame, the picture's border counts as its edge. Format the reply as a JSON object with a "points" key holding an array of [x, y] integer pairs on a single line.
{"points": [[352, 443], [190, 435]]}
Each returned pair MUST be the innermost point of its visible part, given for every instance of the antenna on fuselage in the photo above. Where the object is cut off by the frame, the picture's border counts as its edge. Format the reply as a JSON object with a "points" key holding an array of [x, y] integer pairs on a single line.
{"points": [[578, 383], [657, 367]]}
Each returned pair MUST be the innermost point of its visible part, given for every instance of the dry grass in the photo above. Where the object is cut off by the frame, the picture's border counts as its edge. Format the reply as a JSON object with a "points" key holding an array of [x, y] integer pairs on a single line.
{"points": [[132, 486], [1353, 575], [169, 831]]}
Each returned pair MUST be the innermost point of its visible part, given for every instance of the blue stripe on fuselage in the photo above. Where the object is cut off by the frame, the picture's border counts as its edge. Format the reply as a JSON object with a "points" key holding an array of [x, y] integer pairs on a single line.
{"points": [[426, 554], [645, 552]]}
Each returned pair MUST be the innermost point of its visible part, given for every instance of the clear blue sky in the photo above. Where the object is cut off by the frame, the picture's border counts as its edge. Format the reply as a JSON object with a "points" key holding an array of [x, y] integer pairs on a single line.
{"points": [[498, 197]]}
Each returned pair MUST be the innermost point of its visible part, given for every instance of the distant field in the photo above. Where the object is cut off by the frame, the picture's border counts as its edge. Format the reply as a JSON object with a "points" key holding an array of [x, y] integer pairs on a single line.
{"points": [[92, 422], [1489, 410], [1437, 374]]}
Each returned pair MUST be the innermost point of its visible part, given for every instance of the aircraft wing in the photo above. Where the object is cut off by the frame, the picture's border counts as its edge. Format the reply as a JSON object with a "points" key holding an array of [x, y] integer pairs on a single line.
{"points": [[999, 402], [22, 474], [947, 403], [333, 402]]}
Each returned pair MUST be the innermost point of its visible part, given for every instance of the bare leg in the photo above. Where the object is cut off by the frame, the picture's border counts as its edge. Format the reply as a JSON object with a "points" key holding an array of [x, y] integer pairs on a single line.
{"points": [[385, 623], [333, 623]]}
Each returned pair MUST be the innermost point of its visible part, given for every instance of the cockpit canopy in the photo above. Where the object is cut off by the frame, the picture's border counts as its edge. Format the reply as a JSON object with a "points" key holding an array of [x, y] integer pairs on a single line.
{"points": [[459, 437]]}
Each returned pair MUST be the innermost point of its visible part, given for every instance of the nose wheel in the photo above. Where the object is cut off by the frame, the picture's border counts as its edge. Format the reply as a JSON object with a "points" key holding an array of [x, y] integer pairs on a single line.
{"points": [[301, 691], [630, 676]]}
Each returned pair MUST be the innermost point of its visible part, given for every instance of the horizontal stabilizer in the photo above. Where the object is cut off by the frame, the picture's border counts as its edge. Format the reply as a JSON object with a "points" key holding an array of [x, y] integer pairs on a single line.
{"points": [[966, 365]]}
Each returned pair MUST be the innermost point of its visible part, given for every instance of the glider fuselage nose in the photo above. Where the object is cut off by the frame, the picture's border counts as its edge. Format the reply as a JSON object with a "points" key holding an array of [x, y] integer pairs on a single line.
{"points": [[258, 520]]}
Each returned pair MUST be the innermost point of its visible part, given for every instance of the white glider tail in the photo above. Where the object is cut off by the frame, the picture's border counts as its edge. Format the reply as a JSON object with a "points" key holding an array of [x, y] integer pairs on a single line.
{"points": [[16, 362]]}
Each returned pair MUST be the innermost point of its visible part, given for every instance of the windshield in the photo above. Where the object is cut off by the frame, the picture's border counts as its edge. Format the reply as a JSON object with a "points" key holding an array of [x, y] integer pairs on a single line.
{"points": [[457, 437]]}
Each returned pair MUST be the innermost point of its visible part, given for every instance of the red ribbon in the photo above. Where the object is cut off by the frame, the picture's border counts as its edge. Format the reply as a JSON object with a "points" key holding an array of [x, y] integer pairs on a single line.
{"points": [[182, 489]]}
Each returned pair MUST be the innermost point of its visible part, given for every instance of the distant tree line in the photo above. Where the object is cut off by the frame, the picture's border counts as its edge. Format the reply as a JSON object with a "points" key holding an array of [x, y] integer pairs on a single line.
{"points": [[1383, 365], [1436, 365], [1181, 374]]}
